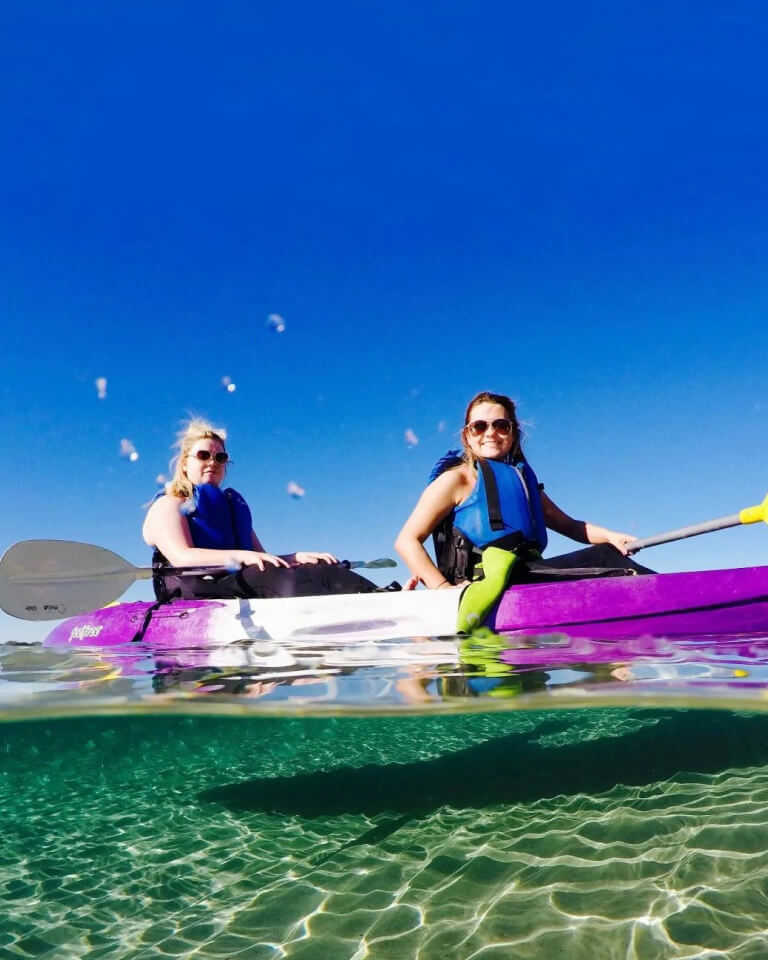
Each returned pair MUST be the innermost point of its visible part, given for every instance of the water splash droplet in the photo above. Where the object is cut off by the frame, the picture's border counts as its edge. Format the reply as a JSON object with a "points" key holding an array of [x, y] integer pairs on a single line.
{"points": [[128, 450], [295, 491], [276, 323], [101, 387], [410, 437]]}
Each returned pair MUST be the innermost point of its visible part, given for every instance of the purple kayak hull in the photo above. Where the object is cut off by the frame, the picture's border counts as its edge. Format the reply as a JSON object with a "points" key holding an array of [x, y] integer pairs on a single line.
{"points": [[666, 604]]}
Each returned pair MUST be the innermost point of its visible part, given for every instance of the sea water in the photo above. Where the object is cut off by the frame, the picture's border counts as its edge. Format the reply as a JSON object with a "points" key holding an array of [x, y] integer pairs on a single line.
{"points": [[445, 798]]}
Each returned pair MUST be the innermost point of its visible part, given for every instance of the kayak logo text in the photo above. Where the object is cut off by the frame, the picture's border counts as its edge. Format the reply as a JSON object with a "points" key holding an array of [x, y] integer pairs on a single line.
{"points": [[80, 633]]}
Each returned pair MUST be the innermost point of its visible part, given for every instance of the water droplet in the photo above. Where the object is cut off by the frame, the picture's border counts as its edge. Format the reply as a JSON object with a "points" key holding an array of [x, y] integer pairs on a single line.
{"points": [[410, 437], [226, 382], [276, 323], [101, 387], [128, 450], [295, 491]]}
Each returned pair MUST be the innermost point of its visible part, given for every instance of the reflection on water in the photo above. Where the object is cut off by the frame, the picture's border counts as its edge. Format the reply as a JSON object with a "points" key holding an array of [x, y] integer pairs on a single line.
{"points": [[322, 674]]}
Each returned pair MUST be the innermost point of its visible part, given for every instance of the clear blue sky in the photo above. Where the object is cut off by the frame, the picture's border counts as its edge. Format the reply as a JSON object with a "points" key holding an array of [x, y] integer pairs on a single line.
{"points": [[565, 202]]}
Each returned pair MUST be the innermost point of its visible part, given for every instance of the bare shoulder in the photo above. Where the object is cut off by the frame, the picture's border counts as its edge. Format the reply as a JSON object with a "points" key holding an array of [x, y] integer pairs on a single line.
{"points": [[165, 512], [165, 505], [456, 482]]}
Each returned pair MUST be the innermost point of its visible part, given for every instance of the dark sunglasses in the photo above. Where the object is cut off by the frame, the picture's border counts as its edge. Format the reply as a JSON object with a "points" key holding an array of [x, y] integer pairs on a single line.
{"points": [[478, 427], [204, 455]]}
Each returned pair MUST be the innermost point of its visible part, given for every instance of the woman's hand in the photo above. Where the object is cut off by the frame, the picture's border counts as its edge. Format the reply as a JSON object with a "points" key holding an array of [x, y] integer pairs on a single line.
{"points": [[616, 539], [307, 556], [255, 558], [620, 540]]}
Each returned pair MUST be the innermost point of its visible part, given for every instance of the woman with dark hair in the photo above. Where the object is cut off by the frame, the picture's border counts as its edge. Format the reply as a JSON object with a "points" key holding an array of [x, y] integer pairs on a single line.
{"points": [[486, 509]]}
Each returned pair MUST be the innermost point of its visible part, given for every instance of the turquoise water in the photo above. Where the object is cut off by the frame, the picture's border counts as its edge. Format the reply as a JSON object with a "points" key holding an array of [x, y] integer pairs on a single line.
{"points": [[609, 833], [428, 800]]}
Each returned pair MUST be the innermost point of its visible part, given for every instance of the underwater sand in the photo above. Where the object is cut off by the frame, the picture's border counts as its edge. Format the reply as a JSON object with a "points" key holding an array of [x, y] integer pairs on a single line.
{"points": [[595, 833]]}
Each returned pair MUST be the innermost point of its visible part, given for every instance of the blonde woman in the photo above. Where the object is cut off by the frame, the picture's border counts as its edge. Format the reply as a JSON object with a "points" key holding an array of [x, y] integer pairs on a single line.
{"points": [[198, 522]]}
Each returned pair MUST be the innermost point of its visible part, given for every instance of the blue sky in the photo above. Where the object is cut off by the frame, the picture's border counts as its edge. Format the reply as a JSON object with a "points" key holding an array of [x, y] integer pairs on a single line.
{"points": [[565, 203]]}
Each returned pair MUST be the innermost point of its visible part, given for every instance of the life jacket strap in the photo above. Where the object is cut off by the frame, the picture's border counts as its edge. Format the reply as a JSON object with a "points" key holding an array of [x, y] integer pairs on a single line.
{"points": [[159, 561], [233, 518], [492, 496]]}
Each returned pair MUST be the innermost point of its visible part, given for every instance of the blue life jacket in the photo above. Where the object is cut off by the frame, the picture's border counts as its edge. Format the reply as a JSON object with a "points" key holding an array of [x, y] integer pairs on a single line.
{"points": [[219, 519], [504, 509]]}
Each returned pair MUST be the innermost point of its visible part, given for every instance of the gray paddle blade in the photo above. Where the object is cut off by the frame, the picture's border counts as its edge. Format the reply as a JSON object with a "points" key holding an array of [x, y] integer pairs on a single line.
{"points": [[51, 579]]}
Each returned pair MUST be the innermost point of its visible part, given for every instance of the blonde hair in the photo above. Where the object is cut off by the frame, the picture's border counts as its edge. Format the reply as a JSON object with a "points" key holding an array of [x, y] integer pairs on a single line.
{"points": [[516, 454], [191, 431]]}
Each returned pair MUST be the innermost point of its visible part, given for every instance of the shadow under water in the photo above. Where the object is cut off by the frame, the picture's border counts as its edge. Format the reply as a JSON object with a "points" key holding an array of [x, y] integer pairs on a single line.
{"points": [[513, 769]]}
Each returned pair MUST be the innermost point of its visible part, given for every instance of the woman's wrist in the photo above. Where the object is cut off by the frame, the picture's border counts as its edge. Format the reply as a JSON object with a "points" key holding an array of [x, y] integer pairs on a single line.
{"points": [[443, 583]]}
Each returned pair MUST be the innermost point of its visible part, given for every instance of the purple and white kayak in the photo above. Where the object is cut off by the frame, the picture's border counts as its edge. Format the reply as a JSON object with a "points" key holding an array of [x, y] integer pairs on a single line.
{"points": [[706, 603]]}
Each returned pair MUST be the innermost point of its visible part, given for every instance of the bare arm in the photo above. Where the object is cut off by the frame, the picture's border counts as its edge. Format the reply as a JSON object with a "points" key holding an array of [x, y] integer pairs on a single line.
{"points": [[437, 501], [166, 528], [581, 531], [559, 521]]}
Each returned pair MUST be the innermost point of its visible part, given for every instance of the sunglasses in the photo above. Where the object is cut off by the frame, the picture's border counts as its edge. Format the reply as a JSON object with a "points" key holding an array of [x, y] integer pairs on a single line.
{"points": [[205, 455], [478, 427]]}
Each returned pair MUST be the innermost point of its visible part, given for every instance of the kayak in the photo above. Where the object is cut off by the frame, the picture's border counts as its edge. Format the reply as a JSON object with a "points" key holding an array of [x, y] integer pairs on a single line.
{"points": [[705, 603]]}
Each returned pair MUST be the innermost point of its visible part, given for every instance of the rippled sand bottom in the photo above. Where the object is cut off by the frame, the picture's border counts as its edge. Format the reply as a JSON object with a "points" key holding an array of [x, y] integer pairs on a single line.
{"points": [[594, 834]]}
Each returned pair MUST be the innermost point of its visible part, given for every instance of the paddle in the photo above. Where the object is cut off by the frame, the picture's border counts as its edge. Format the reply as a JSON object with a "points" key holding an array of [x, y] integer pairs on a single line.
{"points": [[747, 515], [51, 579]]}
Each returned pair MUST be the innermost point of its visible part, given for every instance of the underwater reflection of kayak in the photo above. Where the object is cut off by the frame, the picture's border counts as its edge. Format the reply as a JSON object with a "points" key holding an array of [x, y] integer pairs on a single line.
{"points": [[670, 604]]}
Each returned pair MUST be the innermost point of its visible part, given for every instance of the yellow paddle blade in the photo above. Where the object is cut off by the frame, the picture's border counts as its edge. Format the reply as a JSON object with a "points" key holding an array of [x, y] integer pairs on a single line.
{"points": [[755, 514]]}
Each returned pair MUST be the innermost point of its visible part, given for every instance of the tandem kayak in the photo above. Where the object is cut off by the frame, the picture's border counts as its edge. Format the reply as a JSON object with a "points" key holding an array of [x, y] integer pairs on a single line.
{"points": [[706, 603]]}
